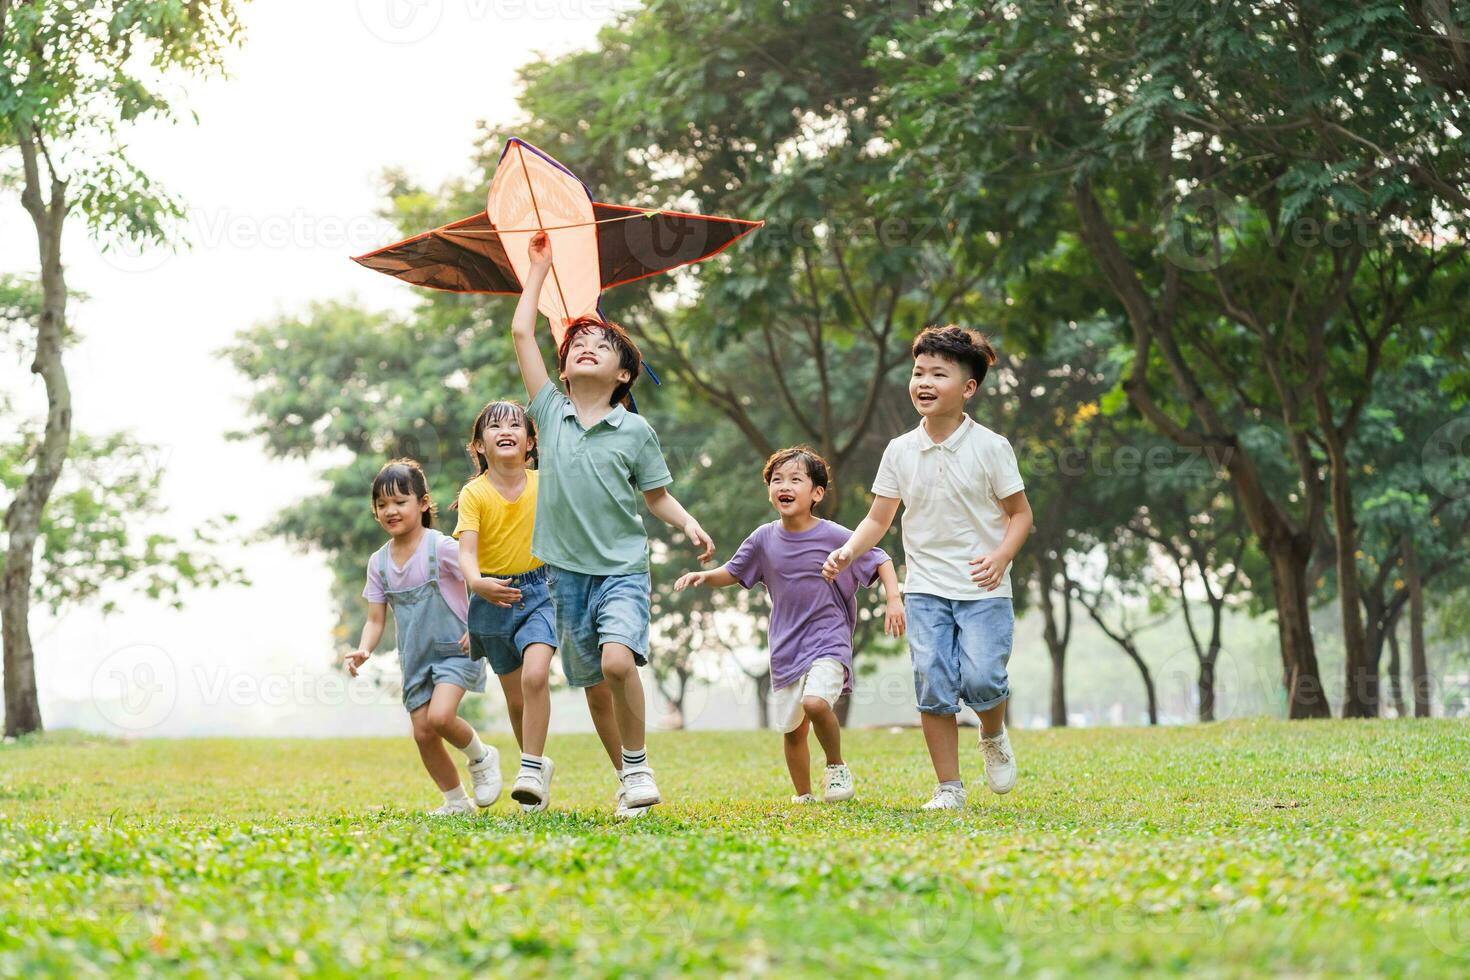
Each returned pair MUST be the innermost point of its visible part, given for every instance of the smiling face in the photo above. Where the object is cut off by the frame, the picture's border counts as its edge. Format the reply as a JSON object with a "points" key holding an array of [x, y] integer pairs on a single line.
{"points": [[504, 438], [939, 386], [591, 355], [399, 513], [791, 490]]}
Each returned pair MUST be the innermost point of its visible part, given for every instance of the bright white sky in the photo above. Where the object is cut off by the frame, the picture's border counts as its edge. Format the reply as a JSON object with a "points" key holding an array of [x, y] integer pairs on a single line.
{"points": [[281, 178]]}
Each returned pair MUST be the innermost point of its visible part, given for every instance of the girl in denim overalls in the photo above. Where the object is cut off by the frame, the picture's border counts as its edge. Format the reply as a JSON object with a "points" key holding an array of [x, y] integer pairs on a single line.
{"points": [[417, 573]]}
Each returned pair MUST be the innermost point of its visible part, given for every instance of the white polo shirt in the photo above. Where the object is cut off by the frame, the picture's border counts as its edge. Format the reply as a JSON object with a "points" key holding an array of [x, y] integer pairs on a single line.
{"points": [[951, 493]]}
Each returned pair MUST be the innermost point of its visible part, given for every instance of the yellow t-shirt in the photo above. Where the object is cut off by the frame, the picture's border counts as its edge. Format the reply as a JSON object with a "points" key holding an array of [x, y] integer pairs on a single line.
{"points": [[504, 525]]}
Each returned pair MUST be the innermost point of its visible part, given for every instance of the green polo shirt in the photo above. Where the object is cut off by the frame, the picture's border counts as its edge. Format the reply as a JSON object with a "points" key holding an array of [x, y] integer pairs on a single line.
{"points": [[591, 485]]}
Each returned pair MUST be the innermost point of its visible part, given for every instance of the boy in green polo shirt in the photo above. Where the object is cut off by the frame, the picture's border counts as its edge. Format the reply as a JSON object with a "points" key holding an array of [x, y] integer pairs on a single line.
{"points": [[595, 460]]}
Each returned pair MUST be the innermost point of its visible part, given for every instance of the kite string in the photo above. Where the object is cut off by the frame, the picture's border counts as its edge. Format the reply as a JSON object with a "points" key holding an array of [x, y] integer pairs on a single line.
{"points": [[566, 311], [645, 213]]}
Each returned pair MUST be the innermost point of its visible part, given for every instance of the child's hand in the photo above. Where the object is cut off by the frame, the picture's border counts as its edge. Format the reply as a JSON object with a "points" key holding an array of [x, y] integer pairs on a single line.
{"points": [[498, 591], [697, 537], [355, 660], [989, 570], [894, 620], [836, 562], [688, 580], [539, 251], [464, 643]]}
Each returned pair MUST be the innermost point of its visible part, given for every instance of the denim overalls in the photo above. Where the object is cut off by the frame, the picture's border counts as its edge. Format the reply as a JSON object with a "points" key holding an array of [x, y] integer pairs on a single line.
{"points": [[428, 636]]}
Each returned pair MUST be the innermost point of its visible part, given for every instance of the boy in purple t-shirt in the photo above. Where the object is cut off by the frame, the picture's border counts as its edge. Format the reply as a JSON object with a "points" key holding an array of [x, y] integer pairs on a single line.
{"points": [[812, 619]]}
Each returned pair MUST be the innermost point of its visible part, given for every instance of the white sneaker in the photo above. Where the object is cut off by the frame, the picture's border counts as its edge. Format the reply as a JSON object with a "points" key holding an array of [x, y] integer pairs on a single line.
{"points": [[946, 798], [1000, 762], [804, 798], [626, 812], [485, 778], [639, 788], [454, 808], [533, 789], [839, 783]]}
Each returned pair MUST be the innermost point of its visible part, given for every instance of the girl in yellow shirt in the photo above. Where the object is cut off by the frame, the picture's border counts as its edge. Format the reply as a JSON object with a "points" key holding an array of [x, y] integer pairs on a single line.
{"points": [[511, 620]]}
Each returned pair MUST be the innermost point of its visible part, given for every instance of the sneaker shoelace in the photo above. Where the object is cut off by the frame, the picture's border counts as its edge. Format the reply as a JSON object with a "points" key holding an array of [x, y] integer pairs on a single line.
{"points": [[994, 751]]}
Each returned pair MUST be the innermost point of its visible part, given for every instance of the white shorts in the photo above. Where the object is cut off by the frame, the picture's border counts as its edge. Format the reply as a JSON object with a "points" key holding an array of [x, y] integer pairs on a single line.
{"points": [[824, 679]]}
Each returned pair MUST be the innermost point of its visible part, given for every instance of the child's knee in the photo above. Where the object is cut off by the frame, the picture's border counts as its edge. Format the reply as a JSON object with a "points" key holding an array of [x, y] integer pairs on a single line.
{"points": [[815, 707], [424, 732], [442, 719], [798, 734], [618, 663], [535, 679]]}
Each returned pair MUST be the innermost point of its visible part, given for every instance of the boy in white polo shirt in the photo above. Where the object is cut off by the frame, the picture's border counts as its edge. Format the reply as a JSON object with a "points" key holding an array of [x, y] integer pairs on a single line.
{"points": [[965, 517]]}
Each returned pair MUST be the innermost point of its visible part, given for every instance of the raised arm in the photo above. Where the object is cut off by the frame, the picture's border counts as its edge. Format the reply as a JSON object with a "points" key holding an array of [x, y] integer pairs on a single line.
{"points": [[523, 324], [864, 537]]}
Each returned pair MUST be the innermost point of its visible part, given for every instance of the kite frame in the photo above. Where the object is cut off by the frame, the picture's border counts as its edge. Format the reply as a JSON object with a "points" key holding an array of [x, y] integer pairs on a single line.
{"points": [[751, 226]]}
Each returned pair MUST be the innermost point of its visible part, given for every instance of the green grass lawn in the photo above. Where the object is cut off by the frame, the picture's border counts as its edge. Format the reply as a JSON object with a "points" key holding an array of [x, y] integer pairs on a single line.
{"points": [[1306, 848]]}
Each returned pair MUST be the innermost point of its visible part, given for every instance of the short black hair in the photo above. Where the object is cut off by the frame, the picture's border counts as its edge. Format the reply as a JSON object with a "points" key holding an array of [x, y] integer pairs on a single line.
{"points": [[811, 461], [403, 476], [963, 346]]}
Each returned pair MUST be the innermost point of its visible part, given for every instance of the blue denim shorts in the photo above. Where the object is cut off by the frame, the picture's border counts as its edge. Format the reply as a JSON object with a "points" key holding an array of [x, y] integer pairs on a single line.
{"points": [[501, 635], [595, 609], [442, 663], [960, 649]]}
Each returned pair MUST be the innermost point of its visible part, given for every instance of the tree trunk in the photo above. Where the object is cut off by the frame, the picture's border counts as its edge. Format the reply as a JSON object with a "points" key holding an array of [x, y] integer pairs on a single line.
{"points": [[1207, 685], [1305, 697], [1360, 695], [1056, 643], [23, 518], [1395, 673], [1148, 681], [1418, 667]]}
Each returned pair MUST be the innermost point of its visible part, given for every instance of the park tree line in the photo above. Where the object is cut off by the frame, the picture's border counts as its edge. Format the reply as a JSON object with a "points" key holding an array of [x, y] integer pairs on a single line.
{"points": [[1221, 247]]}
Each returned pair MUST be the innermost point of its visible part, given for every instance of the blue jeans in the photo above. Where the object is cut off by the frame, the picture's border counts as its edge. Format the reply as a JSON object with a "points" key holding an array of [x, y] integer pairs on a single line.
{"points": [[960, 648], [595, 609], [501, 635]]}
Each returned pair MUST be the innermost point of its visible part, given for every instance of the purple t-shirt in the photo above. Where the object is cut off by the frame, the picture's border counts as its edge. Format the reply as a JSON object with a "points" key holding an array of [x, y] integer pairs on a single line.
{"points": [[416, 572], [810, 617]]}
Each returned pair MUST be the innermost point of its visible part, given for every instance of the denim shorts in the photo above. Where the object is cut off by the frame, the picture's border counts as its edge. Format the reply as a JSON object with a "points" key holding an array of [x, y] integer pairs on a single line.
{"points": [[595, 609], [443, 663], [501, 635], [960, 649]]}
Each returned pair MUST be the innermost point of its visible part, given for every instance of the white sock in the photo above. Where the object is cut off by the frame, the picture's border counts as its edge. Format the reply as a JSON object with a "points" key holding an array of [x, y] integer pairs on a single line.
{"points": [[475, 751], [451, 795]]}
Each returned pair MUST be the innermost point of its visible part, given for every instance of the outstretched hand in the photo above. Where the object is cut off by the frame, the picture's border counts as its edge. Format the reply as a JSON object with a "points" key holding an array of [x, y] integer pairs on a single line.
{"points": [[355, 660], [688, 580]]}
